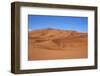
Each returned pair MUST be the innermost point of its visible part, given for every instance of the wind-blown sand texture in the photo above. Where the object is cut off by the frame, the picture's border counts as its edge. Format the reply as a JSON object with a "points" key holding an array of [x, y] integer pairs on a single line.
{"points": [[48, 44]]}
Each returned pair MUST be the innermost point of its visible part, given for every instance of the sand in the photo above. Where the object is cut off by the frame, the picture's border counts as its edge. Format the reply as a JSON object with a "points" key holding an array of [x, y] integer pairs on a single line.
{"points": [[49, 44]]}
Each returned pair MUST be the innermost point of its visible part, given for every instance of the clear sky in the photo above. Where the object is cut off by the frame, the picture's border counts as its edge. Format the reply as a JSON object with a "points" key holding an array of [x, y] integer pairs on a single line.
{"points": [[58, 22]]}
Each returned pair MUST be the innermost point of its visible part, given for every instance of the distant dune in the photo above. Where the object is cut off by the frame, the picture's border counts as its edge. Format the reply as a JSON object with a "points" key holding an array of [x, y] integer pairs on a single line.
{"points": [[48, 44]]}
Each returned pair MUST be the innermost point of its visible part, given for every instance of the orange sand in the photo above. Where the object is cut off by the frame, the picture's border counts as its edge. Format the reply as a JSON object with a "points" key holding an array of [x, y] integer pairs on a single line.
{"points": [[48, 44]]}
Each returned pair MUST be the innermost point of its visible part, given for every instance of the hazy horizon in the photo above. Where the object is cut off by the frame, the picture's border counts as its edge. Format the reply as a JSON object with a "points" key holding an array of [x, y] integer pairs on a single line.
{"points": [[36, 22]]}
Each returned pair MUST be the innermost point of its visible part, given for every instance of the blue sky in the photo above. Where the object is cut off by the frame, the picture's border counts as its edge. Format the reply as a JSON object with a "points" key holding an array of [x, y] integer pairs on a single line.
{"points": [[79, 24]]}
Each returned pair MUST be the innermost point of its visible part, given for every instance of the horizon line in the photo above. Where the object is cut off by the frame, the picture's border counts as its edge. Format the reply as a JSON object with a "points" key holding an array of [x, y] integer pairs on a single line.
{"points": [[56, 29]]}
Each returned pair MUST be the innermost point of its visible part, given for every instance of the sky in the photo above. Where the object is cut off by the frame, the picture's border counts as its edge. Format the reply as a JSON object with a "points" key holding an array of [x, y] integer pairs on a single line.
{"points": [[79, 24]]}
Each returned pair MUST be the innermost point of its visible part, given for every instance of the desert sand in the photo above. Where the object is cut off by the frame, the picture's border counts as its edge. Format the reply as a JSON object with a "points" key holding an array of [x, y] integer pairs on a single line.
{"points": [[49, 44]]}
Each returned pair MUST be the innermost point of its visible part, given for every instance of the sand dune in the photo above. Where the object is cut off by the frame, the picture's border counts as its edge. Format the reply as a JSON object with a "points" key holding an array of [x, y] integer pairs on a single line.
{"points": [[47, 44]]}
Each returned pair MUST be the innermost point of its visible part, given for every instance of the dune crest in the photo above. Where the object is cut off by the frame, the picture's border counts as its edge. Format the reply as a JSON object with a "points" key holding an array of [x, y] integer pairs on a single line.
{"points": [[51, 43]]}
